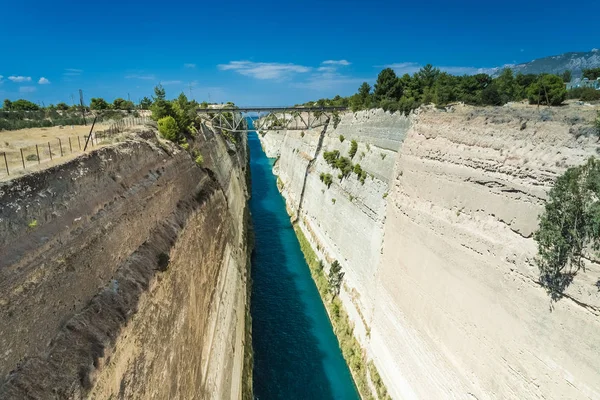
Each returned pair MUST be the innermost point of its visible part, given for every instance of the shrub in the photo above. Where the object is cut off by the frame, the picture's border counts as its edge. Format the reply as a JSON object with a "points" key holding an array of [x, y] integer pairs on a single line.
{"points": [[326, 179], [335, 278], [32, 157], [167, 126], [344, 165], [331, 157], [199, 160], [33, 224], [342, 138], [353, 149]]}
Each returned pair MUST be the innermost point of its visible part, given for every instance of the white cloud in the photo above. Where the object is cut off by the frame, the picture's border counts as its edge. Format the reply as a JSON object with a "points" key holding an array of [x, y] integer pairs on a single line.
{"points": [[264, 70], [148, 77], [594, 50], [336, 62], [412, 67], [43, 81], [20, 79], [326, 69], [72, 72], [27, 89], [189, 65], [165, 83]]}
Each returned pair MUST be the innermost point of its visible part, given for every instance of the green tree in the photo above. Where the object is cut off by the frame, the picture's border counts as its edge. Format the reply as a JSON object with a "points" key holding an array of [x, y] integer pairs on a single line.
{"points": [[335, 278], [387, 86], [99, 104], [566, 76], [7, 104], [145, 103], [353, 148], [161, 107], [592, 73], [167, 127], [569, 225], [548, 89], [445, 88], [490, 96], [24, 105], [120, 104], [506, 86], [62, 106]]}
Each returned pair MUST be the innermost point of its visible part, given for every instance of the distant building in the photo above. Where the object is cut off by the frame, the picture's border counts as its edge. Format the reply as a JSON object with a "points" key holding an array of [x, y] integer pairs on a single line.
{"points": [[585, 82]]}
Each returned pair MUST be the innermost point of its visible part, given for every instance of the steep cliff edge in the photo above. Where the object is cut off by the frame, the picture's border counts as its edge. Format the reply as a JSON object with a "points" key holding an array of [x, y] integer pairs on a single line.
{"points": [[123, 274], [438, 251]]}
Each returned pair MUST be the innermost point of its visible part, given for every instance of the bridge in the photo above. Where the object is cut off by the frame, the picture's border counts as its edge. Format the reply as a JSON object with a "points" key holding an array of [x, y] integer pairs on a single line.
{"points": [[268, 118]]}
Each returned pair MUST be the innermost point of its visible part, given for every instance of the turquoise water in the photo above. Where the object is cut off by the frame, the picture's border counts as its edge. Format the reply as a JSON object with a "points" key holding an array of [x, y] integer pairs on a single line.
{"points": [[296, 354]]}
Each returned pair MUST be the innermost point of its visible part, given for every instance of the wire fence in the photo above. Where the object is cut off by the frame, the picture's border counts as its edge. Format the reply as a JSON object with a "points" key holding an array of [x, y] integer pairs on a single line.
{"points": [[16, 160]]}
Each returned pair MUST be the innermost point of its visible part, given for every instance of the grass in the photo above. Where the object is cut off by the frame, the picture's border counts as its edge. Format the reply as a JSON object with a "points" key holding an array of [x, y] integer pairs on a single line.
{"points": [[33, 224], [342, 327]]}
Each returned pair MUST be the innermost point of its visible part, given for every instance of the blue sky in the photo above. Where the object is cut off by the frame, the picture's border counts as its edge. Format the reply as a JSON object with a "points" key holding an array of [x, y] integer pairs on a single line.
{"points": [[267, 52]]}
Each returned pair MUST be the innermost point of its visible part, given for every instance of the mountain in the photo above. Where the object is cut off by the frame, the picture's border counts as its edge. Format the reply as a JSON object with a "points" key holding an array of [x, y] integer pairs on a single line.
{"points": [[574, 61]]}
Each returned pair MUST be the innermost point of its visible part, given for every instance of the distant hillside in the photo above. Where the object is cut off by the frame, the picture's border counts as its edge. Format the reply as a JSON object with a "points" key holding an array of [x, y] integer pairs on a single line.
{"points": [[575, 62]]}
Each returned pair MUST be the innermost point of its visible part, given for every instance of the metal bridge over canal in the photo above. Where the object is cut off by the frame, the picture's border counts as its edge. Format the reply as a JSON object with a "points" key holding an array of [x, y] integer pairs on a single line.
{"points": [[268, 118]]}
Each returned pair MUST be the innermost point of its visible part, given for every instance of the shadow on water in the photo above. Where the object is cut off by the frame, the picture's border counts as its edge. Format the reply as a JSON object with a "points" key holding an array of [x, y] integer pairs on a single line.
{"points": [[296, 354]]}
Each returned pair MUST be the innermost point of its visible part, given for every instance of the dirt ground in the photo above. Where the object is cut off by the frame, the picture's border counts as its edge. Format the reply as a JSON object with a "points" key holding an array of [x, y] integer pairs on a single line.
{"points": [[55, 145]]}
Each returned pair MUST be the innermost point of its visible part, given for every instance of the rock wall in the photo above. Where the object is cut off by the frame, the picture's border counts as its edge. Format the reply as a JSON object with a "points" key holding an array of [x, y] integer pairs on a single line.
{"points": [[123, 274], [438, 251]]}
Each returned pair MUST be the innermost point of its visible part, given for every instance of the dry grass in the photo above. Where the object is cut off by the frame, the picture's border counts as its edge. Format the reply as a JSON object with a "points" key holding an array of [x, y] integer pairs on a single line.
{"points": [[72, 141]]}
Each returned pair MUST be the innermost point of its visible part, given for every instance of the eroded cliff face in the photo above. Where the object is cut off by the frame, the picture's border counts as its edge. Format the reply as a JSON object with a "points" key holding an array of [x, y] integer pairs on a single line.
{"points": [[123, 274], [438, 251]]}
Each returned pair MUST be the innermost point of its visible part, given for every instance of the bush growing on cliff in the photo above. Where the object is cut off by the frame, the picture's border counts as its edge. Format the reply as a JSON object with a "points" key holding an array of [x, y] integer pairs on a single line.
{"points": [[569, 227], [342, 138], [327, 179], [331, 157], [335, 278], [167, 126], [353, 148]]}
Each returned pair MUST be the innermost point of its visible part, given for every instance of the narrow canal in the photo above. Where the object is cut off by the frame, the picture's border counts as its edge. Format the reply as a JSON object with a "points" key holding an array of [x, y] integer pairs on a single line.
{"points": [[296, 354]]}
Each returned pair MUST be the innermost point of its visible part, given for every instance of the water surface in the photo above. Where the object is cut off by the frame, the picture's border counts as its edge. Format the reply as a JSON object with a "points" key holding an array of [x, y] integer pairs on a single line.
{"points": [[296, 354]]}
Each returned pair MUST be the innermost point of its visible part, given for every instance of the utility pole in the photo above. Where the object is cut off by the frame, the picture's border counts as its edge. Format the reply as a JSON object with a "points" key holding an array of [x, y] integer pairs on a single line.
{"points": [[72, 100], [82, 107]]}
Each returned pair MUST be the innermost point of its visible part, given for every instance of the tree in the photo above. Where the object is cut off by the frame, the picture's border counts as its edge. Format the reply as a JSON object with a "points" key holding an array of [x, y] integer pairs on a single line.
{"points": [[7, 104], [566, 76], [145, 103], [120, 104], [160, 107], [592, 73], [181, 108], [387, 86], [445, 89], [98, 103], [490, 96], [426, 76], [24, 105], [569, 226], [548, 89], [506, 86], [167, 127], [62, 106], [335, 278]]}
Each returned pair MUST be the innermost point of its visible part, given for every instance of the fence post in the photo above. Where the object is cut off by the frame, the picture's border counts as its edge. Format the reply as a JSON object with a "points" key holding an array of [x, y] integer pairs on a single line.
{"points": [[60, 145], [37, 151], [70, 146], [50, 151], [22, 159], [79, 142], [6, 163]]}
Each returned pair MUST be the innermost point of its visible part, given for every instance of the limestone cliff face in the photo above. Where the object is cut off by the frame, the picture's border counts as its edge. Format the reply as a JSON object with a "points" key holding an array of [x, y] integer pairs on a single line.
{"points": [[131, 282], [438, 251]]}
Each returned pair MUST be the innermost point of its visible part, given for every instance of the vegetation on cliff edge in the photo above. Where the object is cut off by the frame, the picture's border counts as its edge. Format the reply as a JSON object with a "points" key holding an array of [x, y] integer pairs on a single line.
{"points": [[344, 329], [569, 227]]}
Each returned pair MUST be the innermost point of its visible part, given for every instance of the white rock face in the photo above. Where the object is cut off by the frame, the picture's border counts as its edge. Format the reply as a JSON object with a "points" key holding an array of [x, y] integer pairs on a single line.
{"points": [[438, 251]]}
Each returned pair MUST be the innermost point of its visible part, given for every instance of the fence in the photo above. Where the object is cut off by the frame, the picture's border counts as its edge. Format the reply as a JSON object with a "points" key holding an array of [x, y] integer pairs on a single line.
{"points": [[25, 157]]}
